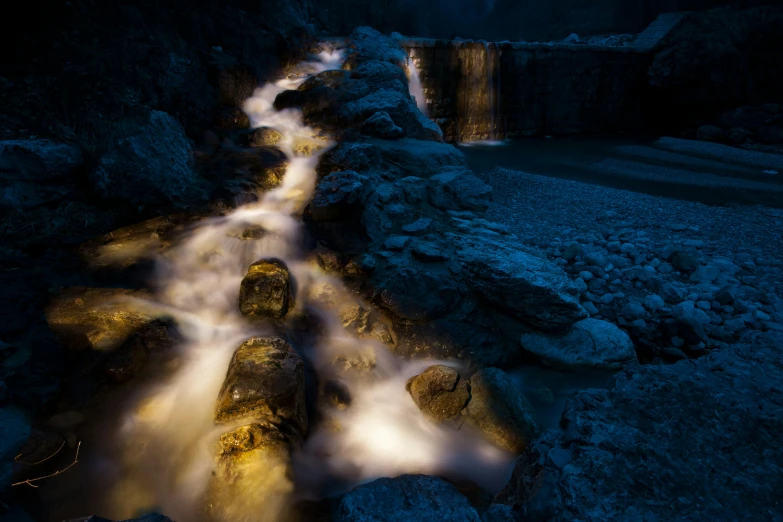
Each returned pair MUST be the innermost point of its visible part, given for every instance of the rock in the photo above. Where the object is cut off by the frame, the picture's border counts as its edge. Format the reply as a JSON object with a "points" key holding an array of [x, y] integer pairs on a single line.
{"points": [[459, 189], [738, 135], [264, 137], [14, 430], [151, 166], [500, 513], [127, 361], [102, 319], [417, 295], [746, 117], [684, 262], [710, 133], [677, 422], [265, 385], [439, 392], [36, 172], [394, 101], [572, 251], [499, 410], [338, 196], [405, 498], [418, 226], [368, 44], [653, 302], [519, 282], [633, 310], [266, 290], [672, 293], [595, 259], [428, 252], [382, 126], [590, 344]]}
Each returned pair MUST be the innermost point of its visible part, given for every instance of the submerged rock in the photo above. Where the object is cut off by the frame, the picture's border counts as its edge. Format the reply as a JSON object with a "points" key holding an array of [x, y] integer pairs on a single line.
{"points": [[439, 392], [590, 344], [500, 411], [266, 290], [152, 166], [640, 449], [405, 498], [265, 383]]}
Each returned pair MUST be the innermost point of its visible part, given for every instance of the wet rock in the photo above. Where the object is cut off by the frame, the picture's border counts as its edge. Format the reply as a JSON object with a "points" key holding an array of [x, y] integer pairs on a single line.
{"points": [[266, 290], [676, 422], [264, 137], [336, 394], [408, 497], [499, 410], [35, 172], [338, 196], [151, 166], [590, 344], [519, 282], [456, 190], [439, 392], [100, 318], [381, 125], [265, 384]]}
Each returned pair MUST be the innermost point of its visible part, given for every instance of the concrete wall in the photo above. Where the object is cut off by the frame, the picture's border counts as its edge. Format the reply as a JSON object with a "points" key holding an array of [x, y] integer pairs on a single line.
{"points": [[480, 90]]}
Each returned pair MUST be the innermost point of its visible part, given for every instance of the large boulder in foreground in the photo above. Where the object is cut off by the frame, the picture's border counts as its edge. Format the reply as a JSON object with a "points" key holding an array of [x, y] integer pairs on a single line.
{"points": [[151, 166], [403, 499], [590, 344], [695, 440], [266, 290], [500, 411], [265, 385], [440, 392]]}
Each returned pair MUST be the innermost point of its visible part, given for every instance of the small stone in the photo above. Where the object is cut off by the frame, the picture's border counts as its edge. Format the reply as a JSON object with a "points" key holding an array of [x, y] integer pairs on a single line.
{"points": [[607, 299], [266, 290], [439, 392], [633, 311], [653, 302], [585, 275]]}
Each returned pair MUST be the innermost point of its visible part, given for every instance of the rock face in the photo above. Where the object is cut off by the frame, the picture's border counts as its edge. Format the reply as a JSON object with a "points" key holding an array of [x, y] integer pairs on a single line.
{"points": [[152, 166], [266, 290], [500, 411], [36, 172], [590, 344], [408, 497], [716, 416], [439, 392]]}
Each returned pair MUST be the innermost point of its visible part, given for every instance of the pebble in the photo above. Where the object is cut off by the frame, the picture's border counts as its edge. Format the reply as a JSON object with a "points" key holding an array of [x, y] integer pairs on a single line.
{"points": [[585, 275]]}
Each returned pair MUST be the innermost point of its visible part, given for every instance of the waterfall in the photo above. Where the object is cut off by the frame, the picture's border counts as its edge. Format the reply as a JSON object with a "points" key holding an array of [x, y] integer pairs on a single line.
{"points": [[415, 87], [166, 437]]}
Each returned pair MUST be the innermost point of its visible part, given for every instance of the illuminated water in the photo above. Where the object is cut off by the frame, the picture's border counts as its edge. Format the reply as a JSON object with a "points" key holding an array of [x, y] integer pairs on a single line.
{"points": [[415, 87], [167, 439]]}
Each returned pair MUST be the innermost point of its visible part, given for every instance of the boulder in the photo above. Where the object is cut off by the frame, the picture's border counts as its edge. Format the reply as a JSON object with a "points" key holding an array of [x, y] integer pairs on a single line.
{"points": [[368, 44], [263, 137], [416, 294], [265, 385], [266, 290], [338, 196], [103, 319], [152, 166], [382, 126], [36, 172], [518, 281], [639, 450], [439, 392], [498, 409], [459, 190], [405, 498], [590, 344], [397, 103]]}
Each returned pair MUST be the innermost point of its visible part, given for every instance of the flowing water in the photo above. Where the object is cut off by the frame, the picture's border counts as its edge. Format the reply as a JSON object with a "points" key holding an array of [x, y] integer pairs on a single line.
{"points": [[167, 437], [415, 87]]}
